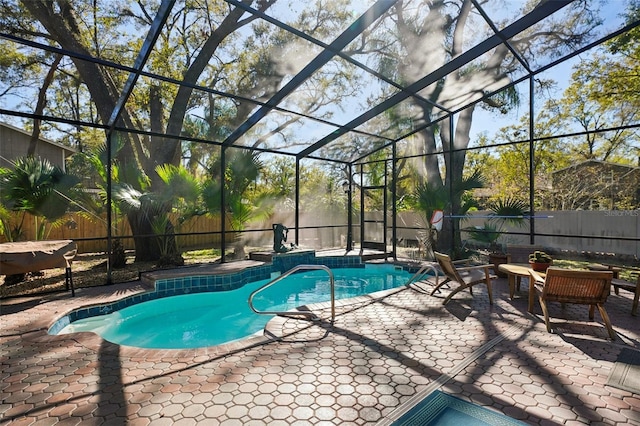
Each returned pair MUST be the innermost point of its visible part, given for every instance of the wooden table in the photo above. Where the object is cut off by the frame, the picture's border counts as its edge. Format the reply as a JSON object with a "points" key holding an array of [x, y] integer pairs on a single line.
{"points": [[517, 271], [514, 271], [600, 267]]}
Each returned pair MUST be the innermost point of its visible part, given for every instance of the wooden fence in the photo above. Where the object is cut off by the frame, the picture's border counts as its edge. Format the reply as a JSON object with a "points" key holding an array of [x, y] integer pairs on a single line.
{"points": [[91, 233]]}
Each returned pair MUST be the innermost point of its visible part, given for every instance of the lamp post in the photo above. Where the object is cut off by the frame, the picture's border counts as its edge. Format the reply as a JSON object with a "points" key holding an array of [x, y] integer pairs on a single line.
{"points": [[346, 187]]}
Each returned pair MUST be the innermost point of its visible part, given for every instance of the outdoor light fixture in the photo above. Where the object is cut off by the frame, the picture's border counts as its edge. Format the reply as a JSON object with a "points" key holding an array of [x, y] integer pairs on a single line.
{"points": [[346, 187]]}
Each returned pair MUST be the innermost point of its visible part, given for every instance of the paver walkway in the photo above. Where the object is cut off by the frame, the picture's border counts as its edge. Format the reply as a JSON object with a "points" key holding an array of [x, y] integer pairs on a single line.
{"points": [[382, 354]]}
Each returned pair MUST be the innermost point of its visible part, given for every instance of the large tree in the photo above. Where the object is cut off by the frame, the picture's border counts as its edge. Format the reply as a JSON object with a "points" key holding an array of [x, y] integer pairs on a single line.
{"points": [[215, 44], [64, 23], [620, 79], [583, 108], [208, 43], [425, 36]]}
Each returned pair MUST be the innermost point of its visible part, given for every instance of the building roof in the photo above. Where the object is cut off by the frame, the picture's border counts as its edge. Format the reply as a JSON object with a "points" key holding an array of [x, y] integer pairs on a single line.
{"points": [[597, 162]]}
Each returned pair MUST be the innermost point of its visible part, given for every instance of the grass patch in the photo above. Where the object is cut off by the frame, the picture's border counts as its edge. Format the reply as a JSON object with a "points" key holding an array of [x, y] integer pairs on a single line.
{"points": [[627, 273], [201, 254]]}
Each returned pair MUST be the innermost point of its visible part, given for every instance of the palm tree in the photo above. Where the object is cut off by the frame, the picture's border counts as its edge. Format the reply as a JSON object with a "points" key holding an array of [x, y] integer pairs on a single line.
{"points": [[146, 208], [504, 211], [429, 197], [37, 187], [242, 169], [181, 192], [148, 211]]}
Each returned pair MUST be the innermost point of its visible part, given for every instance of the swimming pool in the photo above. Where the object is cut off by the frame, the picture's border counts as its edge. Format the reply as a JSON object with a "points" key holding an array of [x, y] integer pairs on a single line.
{"points": [[213, 318]]}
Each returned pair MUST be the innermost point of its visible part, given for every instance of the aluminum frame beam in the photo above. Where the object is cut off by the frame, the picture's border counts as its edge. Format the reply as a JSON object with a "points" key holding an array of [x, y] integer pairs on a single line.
{"points": [[355, 29], [541, 12]]}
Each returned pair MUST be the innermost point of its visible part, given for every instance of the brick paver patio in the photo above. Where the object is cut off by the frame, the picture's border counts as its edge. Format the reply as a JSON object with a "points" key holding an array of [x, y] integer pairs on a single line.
{"points": [[382, 354]]}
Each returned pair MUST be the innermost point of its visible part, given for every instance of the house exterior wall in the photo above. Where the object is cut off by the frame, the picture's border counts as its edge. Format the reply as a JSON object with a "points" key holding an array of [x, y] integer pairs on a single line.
{"points": [[595, 185], [14, 143]]}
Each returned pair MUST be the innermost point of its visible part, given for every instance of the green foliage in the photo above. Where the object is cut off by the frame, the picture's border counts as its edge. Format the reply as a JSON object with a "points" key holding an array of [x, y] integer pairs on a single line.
{"points": [[488, 233], [628, 42], [510, 210], [212, 44], [242, 170], [10, 230], [601, 94], [429, 197], [37, 187], [182, 190], [278, 177], [504, 211]]}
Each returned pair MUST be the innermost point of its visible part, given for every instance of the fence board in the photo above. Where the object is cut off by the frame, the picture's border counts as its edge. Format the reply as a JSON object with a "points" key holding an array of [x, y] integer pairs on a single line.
{"points": [[91, 233]]}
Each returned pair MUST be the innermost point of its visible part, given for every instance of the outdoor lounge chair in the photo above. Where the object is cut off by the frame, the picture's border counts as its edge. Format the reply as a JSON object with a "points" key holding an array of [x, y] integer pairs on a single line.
{"points": [[574, 286], [465, 276]]}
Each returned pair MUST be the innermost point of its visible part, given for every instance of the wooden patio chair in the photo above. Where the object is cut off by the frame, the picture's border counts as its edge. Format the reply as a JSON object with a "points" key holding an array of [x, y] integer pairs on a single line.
{"points": [[465, 276], [574, 286]]}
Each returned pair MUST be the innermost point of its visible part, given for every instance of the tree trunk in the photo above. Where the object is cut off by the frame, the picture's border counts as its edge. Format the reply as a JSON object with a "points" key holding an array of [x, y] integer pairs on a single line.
{"points": [[146, 243], [150, 247], [42, 102]]}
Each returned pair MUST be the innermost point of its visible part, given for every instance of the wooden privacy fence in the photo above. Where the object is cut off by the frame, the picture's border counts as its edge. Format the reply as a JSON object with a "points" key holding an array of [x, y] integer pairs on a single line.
{"points": [[563, 230], [91, 233]]}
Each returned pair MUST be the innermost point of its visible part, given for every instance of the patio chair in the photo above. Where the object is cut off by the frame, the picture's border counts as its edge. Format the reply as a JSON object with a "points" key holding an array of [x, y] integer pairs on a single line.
{"points": [[465, 276], [574, 286]]}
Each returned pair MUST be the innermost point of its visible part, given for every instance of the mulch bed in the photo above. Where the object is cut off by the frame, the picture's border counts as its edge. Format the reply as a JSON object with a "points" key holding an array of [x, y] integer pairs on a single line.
{"points": [[88, 270]]}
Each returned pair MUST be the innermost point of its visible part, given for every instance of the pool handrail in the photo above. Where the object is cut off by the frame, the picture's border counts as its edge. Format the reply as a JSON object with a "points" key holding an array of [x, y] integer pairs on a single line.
{"points": [[286, 274], [422, 272]]}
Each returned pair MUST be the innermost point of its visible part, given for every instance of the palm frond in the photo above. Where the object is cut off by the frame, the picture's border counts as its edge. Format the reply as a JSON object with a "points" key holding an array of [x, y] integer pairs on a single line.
{"points": [[180, 183], [127, 197], [488, 233], [471, 182], [510, 210]]}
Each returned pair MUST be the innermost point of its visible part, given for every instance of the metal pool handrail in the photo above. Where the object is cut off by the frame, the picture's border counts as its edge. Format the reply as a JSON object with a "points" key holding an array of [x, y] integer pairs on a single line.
{"points": [[286, 274], [422, 272]]}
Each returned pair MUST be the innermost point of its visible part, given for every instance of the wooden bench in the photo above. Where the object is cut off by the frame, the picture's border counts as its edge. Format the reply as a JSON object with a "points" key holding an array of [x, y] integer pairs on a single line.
{"points": [[634, 288], [619, 284]]}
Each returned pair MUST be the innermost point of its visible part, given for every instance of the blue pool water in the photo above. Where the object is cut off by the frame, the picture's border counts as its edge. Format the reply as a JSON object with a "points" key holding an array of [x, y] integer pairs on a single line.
{"points": [[212, 318]]}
